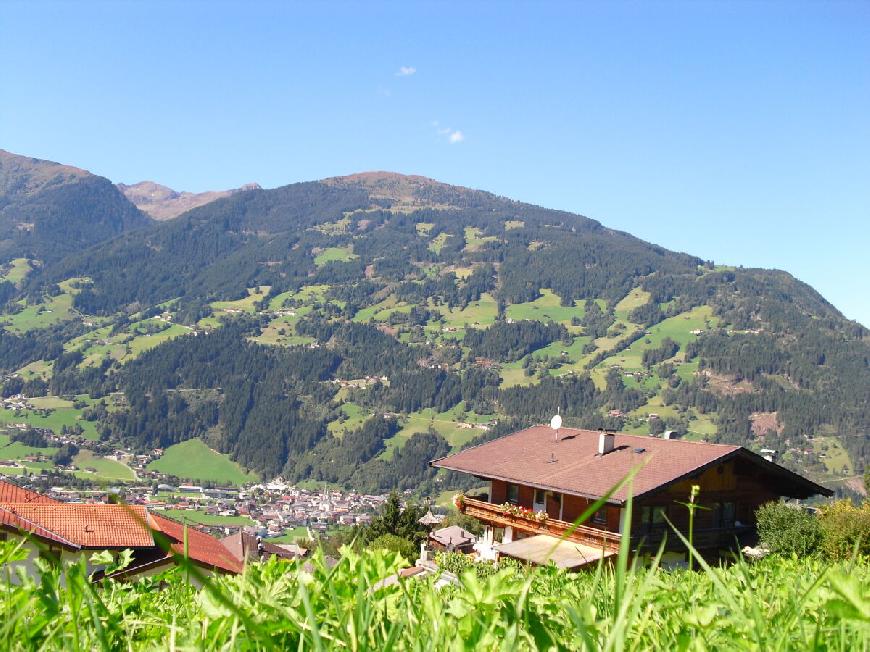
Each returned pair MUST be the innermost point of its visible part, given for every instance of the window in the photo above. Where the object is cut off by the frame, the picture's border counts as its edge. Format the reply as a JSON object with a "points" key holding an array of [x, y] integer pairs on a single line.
{"points": [[652, 518], [540, 496], [600, 517], [728, 513], [513, 494]]}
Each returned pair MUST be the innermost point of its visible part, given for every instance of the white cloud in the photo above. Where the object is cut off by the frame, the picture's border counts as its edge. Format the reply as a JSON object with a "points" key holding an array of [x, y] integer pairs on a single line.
{"points": [[453, 136], [406, 71]]}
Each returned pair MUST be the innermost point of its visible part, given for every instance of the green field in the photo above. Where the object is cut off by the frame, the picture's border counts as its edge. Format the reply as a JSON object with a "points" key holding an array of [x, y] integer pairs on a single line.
{"points": [[291, 536], [510, 225], [382, 310], [678, 328], [202, 518], [93, 467], [16, 270], [445, 423], [477, 314], [423, 228], [836, 459], [282, 330], [10, 450], [51, 311], [246, 304], [354, 416], [634, 299], [335, 255], [547, 307], [438, 242], [62, 413], [193, 460], [474, 240]]}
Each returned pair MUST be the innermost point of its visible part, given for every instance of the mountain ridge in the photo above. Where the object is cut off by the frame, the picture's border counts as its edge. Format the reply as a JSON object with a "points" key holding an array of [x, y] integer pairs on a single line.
{"points": [[266, 321], [163, 203]]}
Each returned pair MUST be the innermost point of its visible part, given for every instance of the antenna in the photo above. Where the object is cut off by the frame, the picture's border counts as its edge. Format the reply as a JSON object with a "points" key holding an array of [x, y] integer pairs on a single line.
{"points": [[555, 424]]}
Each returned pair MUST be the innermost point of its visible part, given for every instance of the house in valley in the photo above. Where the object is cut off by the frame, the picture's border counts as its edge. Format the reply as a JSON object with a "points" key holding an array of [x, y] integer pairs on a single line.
{"points": [[540, 481], [67, 532]]}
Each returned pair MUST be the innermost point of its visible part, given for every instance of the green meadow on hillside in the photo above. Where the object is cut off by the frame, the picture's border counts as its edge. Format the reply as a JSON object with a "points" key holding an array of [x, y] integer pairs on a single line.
{"points": [[193, 460]]}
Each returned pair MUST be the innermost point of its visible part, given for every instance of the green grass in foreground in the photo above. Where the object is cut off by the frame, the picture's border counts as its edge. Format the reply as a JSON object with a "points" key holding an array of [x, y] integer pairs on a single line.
{"points": [[193, 460], [776, 604]]}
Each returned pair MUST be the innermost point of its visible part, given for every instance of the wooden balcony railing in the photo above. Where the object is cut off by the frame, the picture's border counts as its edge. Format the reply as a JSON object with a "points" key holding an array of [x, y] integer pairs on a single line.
{"points": [[499, 516]]}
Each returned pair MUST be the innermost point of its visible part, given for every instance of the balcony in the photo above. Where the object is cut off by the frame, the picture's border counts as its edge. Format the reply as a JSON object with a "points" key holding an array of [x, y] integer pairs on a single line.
{"points": [[500, 516]]}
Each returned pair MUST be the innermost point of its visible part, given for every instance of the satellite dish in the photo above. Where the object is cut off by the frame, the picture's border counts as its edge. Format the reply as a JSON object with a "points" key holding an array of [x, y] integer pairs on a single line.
{"points": [[556, 422]]}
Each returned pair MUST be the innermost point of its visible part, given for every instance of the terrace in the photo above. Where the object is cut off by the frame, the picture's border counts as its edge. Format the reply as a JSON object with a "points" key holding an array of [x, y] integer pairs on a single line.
{"points": [[528, 522]]}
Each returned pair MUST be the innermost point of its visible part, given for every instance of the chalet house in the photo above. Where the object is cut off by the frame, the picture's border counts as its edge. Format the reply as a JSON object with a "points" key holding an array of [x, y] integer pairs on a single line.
{"points": [[540, 481], [59, 531]]}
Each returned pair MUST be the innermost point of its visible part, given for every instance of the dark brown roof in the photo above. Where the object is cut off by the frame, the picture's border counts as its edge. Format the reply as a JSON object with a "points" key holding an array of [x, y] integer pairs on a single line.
{"points": [[571, 465]]}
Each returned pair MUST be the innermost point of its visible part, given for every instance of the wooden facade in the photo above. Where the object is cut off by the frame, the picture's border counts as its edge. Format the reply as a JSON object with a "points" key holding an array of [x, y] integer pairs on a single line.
{"points": [[729, 495]]}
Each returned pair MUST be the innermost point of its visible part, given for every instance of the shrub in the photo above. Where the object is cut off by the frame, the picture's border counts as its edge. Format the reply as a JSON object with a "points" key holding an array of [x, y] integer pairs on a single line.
{"points": [[394, 543], [788, 530], [843, 527]]}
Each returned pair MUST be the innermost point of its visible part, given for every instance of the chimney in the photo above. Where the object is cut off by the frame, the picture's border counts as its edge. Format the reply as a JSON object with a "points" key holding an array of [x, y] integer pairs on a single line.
{"points": [[605, 442]]}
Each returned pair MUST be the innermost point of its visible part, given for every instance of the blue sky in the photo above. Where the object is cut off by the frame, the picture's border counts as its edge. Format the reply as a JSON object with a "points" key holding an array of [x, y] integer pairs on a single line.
{"points": [[739, 132]]}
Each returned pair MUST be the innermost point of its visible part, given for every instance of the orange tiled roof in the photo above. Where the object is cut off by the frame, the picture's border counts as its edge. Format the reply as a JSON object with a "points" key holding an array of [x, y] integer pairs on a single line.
{"points": [[570, 465], [201, 547], [10, 519], [86, 525], [12, 493]]}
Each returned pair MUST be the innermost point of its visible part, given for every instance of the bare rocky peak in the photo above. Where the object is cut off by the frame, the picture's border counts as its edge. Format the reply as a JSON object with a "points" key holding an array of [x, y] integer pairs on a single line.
{"points": [[163, 203]]}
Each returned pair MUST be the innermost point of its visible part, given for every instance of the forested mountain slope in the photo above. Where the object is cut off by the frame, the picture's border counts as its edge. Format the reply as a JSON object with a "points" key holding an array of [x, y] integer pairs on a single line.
{"points": [[48, 210], [350, 330]]}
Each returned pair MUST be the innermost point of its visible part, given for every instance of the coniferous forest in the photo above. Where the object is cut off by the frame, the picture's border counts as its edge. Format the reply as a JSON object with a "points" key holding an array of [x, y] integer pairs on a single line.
{"points": [[350, 330]]}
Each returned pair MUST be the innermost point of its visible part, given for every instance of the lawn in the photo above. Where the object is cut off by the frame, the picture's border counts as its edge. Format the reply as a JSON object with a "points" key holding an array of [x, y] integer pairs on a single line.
{"points": [[291, 536], [510, 225], [202, 518], [335, 255], [193, 460]]}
